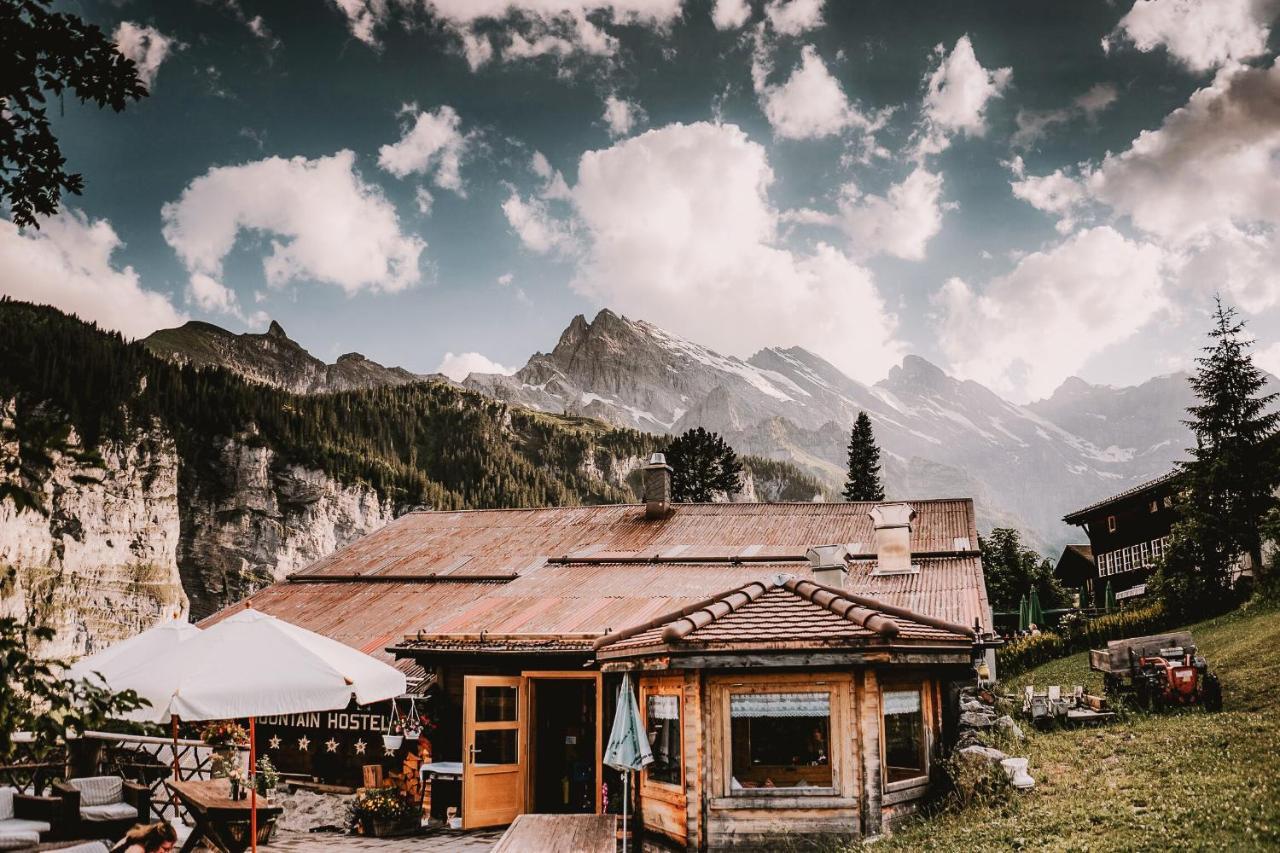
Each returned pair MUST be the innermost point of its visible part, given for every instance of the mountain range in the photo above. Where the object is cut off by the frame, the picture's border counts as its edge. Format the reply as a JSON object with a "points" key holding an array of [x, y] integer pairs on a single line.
{"points": [[1025, 465]]}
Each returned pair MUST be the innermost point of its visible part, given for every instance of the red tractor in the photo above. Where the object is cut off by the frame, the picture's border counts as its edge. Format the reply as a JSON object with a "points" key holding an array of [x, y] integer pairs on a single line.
{"points": [[1158, 672]]}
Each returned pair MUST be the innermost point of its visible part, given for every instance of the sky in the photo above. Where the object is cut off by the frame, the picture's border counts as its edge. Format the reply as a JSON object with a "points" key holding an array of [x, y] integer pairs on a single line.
{"points": [[1017, 191]]}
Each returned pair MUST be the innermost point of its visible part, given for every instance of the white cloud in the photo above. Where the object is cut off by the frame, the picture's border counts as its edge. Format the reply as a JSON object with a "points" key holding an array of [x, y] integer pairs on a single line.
{"points": [[1034, 124], [1204, 184], [1056, 193], [678, 228], [1201, 34], [431, 144], [424, 200], [730, 14], [535, 225], [326, 223], [621, 115], [68, 264], [506, 278], [793, 17], [1028, 330], [810, 104], [461, 365], [210, 295], [363, 17], [899, 223], [958, 91], [146, 46], [1098, 98]]}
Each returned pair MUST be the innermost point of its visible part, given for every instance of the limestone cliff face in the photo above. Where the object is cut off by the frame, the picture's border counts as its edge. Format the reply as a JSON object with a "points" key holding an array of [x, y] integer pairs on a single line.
{"points": [[104, 545], [250, 519], [93, 542]]}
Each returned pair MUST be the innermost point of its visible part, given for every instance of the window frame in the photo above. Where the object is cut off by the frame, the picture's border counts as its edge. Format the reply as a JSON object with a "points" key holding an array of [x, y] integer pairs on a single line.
{"points": [[649, 785], [1111, 524], [926, 740], [839, 688]]}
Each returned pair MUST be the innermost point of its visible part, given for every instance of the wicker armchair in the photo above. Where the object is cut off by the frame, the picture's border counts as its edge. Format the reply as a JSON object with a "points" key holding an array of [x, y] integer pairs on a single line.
{"points": [[102, 806], [26, 820]]}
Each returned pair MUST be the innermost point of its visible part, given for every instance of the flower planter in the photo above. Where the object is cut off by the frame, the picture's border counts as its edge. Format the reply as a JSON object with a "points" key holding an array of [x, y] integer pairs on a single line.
{"points": [[393, 741]]}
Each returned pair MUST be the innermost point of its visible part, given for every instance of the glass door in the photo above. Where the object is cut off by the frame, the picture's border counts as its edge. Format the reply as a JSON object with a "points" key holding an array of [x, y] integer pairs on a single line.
{"points": [[493, 750]]}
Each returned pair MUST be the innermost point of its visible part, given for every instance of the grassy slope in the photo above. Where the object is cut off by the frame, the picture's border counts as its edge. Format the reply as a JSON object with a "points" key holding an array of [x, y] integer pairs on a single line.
{"points": [[1182, 780]]}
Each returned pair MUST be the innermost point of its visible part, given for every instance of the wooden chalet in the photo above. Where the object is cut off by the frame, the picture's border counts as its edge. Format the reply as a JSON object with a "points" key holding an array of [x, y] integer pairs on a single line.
{"points": [[794, 660]]}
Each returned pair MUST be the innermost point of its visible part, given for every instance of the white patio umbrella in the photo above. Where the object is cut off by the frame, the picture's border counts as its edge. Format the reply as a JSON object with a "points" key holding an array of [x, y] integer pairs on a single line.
{"points": [[138, 650], [252, 664]]}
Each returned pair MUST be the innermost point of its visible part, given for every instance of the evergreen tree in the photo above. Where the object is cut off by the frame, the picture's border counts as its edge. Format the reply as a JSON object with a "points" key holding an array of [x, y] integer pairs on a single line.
{"points": [[863, 482], [704, 467], [1011, 570], [1227, 484]]}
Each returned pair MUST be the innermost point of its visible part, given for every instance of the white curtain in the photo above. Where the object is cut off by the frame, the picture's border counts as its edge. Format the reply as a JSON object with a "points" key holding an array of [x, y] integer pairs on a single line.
{"points": [[780, 705]]}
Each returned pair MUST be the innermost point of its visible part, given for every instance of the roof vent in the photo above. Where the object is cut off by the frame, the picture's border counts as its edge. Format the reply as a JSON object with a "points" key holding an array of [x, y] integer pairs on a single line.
{"points": [[656, 480], [892, 522], [827, 562]]}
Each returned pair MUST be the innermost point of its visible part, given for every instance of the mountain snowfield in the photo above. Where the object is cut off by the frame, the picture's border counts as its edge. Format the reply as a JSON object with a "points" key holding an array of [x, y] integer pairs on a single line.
{"points": [[1025, 466]]}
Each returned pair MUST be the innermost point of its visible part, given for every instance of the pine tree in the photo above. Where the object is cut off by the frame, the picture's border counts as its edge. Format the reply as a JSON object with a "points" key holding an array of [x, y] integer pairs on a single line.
{"points": [[863, 483], [704, 467], [1227, 484]]}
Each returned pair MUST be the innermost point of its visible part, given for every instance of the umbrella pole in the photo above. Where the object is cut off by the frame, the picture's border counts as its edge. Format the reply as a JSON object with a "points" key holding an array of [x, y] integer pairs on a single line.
{"points": [[173, 730], [253, 786], [626, 777]]}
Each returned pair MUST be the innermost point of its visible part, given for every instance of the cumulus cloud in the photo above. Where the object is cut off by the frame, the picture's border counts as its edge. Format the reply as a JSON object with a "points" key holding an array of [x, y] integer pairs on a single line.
{"points": [[431, 143], [730, 14], [793, 17], [810, 104], [146, 46], [68, 264], [324, 223], [677, 227], [363, 18], [1200, 34], [1026, 331], [1204, 184], [621, 115], [958, 90], [458, 366], [900, 223]]}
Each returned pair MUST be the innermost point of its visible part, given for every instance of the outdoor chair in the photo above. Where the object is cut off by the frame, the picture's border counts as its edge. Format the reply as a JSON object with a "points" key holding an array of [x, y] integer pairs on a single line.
{"points": [[25, 820], [104, 806]]}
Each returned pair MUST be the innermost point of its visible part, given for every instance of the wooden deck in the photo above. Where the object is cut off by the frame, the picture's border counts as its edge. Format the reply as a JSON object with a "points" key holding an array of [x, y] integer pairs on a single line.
{"points": [[580, 833]]}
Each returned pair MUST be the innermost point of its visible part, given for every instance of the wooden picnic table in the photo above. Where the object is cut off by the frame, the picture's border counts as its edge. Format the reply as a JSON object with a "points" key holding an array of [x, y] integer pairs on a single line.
{"points": [[220, 821], [572, 833]]}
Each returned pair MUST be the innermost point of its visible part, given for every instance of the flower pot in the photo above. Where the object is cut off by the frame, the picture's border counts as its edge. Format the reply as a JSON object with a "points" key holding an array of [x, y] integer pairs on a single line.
{"points": [[1018, 775], [393, 741], [455, 823]]}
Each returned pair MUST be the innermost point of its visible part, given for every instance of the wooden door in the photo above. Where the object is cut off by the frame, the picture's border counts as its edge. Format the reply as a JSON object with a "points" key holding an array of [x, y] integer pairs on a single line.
{"points": [[493, 747]]}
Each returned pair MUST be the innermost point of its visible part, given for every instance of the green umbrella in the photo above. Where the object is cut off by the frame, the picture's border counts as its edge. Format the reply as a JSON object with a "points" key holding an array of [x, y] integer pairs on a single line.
{"points": [[1022, 614], [1110, 598], [1035, 613], [628, 745]]}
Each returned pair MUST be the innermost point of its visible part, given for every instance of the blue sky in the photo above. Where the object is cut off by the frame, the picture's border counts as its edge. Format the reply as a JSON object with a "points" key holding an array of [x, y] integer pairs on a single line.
{"points": [[1017, 191]]}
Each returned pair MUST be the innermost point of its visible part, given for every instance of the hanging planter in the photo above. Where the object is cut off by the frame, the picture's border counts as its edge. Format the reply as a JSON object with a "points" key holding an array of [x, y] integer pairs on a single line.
{"points": [[393, 741], [393, 738], [412, 722]]}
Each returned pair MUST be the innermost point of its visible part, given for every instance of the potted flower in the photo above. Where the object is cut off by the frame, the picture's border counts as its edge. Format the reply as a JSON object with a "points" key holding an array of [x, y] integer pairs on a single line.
{"points": [[382, 811], [267, 777], [225, 737], [236, 777], [394, 738]]}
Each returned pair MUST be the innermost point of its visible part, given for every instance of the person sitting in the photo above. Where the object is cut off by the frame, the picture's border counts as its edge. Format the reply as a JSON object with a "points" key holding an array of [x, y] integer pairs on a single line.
{"points": [[158, 837]]}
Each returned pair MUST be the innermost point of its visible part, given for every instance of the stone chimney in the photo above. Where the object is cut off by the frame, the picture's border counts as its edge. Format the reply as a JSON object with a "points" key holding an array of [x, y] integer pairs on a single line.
{"points": [[892, 523], [827, 562], [656, 479]]}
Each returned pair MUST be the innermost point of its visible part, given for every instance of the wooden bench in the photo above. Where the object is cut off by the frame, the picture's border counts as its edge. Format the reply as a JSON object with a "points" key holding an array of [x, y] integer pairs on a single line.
{"points": [[579, 833]]}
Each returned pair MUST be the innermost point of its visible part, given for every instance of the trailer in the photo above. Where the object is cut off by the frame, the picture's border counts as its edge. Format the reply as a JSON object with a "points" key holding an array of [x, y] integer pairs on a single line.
{"points": [[1158, 671]]}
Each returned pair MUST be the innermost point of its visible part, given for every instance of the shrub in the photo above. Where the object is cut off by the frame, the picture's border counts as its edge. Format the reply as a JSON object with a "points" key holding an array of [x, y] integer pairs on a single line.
{"points": [[381, 804], [1027, 652]]}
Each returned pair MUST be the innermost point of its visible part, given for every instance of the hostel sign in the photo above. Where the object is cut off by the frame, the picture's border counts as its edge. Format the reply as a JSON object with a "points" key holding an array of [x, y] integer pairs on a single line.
{"points": [[331, 746]]}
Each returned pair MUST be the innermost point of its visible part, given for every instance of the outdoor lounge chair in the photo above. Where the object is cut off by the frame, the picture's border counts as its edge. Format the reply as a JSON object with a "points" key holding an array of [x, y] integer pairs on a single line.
{"points": [[103, 806], [25, 820]]}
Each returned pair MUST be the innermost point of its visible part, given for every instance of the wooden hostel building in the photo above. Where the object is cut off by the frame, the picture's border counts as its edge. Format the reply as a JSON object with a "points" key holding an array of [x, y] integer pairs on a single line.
{"points": [[794, 662]]}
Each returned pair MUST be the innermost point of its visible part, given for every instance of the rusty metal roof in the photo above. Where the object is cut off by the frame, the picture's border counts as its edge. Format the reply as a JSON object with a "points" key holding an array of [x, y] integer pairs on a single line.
{"points": [[436, 573]]}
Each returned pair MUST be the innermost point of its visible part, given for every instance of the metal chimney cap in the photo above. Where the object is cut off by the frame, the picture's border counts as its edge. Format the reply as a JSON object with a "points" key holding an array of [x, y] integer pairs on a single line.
{"points": [[658, 459]]}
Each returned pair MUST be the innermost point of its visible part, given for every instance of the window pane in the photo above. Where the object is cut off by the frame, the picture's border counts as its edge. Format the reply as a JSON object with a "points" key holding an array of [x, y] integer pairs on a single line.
{"points": [[663, 714], [496, 746], [903, 734], [496, 704], [780, 740]]}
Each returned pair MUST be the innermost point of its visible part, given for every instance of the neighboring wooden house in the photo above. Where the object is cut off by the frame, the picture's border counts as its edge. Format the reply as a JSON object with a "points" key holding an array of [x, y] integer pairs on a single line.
{"points": [[523, 620], [1077, 570], [1127, 534]]}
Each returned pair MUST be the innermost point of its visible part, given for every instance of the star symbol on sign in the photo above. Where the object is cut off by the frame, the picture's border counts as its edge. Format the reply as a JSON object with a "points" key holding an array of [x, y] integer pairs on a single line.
{"points": [[386, 750], [331, 745], [360, 745], [275, 741], [303, 743]]}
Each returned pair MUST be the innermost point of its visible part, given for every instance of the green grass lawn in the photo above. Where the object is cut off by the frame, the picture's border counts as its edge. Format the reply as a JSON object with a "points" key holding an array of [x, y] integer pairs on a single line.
{"points": [[1182, 780]]}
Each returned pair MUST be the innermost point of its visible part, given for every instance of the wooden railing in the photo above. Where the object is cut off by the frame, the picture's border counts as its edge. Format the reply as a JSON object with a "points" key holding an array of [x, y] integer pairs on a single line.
{"points": [[31, 772]]}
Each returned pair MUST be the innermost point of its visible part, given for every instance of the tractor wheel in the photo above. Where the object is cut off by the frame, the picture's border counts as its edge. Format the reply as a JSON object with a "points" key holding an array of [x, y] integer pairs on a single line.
{"points": [[1212, 693]]}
